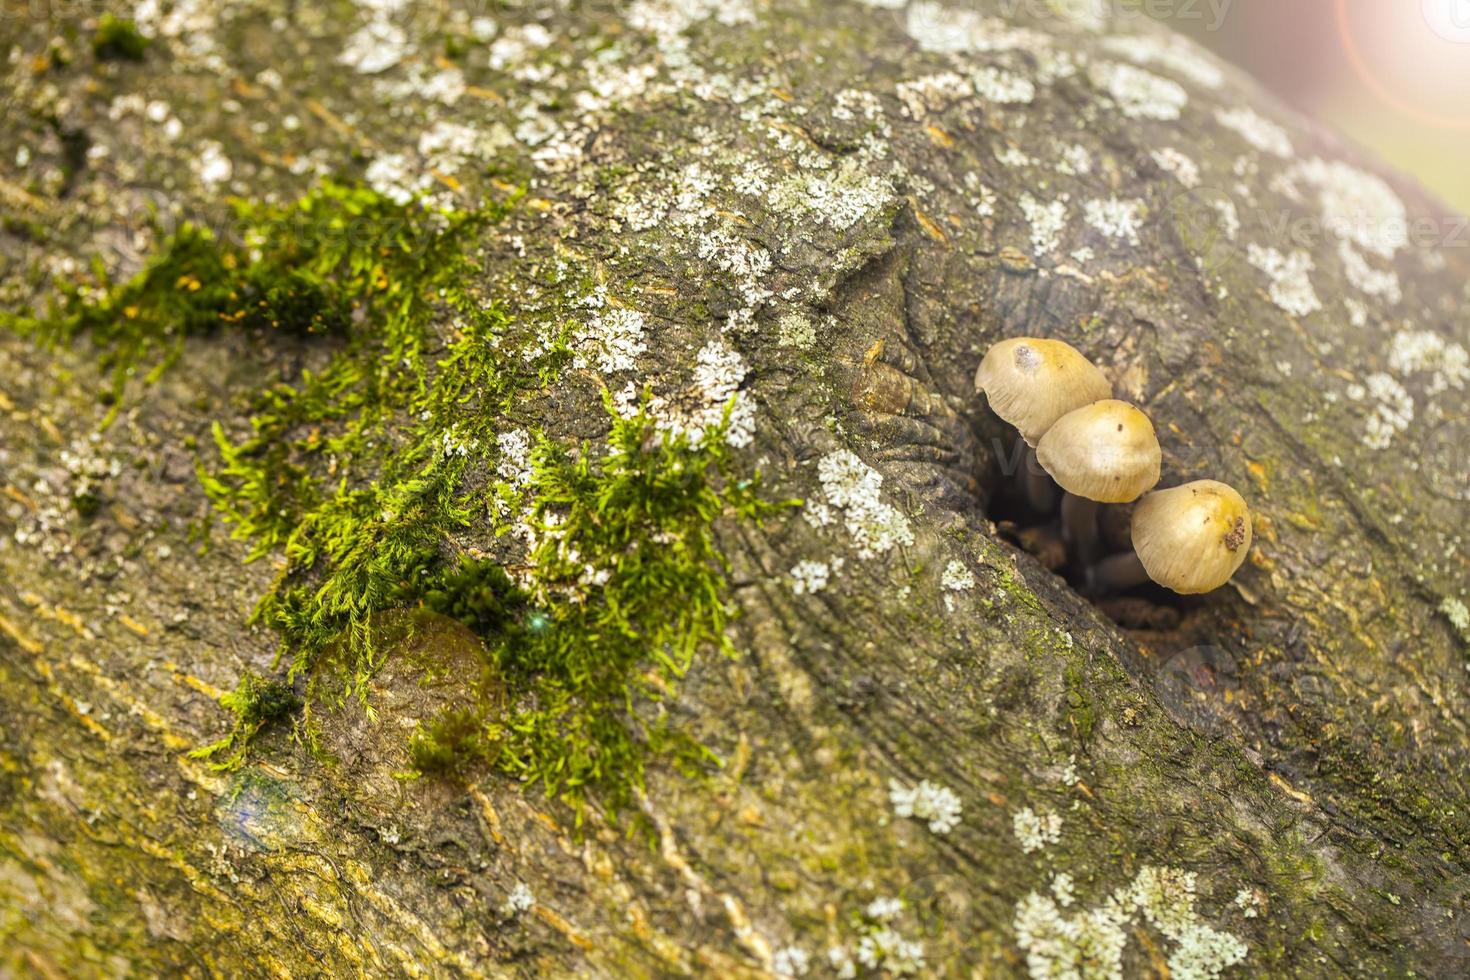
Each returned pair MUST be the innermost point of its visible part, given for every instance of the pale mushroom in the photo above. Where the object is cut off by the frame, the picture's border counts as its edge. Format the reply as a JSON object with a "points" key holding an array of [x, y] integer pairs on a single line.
{"points": [[1190, 539], [1105, 453], [1030, 383]]}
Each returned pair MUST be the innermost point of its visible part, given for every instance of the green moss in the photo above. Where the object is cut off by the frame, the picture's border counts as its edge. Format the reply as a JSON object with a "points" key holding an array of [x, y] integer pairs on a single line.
{"points": [[478, 594], [629, 587], [457, 740], [364, 474], [302, 269], [118, 39], [87, 504], [143, 316], [255, 702], [1080, 713]]}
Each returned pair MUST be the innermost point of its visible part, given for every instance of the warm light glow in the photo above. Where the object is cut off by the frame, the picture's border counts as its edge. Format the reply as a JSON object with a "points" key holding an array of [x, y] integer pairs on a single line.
{"points": [[1419, 66]]}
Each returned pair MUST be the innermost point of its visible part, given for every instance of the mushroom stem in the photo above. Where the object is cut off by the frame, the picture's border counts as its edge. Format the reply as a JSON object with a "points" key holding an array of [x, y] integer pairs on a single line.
{"points": [[1079, 528], [1036, 484], [1116, 573]]}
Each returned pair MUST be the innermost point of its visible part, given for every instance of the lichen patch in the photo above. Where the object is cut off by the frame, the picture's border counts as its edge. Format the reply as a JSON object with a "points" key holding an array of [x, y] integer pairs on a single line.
{"points": [[1139, 94], [852, 487], [1169, 52], [1090, 943], [1290, 285], [1256, 130], [1357, 206]]}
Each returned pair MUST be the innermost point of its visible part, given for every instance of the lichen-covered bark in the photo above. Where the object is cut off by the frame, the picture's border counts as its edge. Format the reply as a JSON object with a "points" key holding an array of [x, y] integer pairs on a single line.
{"points": [[858, 200]]}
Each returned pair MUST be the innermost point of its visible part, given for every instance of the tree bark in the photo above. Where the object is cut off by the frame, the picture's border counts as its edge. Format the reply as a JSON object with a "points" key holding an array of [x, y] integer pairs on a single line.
{"points": [[1298, 740]]}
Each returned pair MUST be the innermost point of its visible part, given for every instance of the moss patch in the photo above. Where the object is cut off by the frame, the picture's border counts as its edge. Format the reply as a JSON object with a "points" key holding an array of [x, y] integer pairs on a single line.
{"points": [[118, 39], [458, 739], [596, 579], [629, 586], [255, 702]]}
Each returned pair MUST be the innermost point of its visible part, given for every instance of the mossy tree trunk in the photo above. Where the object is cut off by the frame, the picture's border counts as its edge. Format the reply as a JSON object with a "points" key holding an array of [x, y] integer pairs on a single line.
{"points": [[858, 200]]}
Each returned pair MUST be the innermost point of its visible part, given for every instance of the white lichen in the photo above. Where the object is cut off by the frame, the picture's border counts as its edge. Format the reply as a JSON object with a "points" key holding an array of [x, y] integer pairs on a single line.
{"points": [[884, 909], [1170, 52], [1062, 889], [519, 900], [791, 961], [515, 457], [1047, 221], [746, 263], [1248, 902], [810, 577], [930, 94], [795, 330], [1358, 206], [1383, 283], [390, 175], [1391, 411], [840, 960], [719, 371], [854, 488], [212, 167], [1090, 944], [1256, 130], [612, 340], [839, 201], [932, 803], [667, 20], [957, 578], [1086, 946], [1139, 94], [1115, 218], [1013, 156], [1181, 166], [982, 198], [945, 29], [995, 85], [1036, 830], [1074, 160], [1459, 616], [446, 146], [1290, 287], [1165, 898], [885, 949], [1425, 352], [1229, 217], [376, 46]]}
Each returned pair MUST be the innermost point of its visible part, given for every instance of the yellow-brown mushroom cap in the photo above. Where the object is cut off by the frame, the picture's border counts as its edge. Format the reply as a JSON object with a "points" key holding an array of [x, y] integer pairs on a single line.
{"points": [[1106, 451], [1192, 538], [1031, 383]]}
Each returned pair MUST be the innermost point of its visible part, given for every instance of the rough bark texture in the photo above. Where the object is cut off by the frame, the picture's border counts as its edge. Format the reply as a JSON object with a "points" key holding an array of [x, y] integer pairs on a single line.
{"points": [[895, 167]]}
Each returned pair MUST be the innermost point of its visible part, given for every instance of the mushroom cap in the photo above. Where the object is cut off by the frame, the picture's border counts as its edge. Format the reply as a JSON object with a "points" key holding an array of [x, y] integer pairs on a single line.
{"points": [[1106, 451], [1031, 383], [1192, 538]]}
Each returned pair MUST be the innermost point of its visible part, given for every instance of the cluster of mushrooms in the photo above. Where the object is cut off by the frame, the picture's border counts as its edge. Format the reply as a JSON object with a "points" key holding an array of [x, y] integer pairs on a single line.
{"points": [[1099, 450]]}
